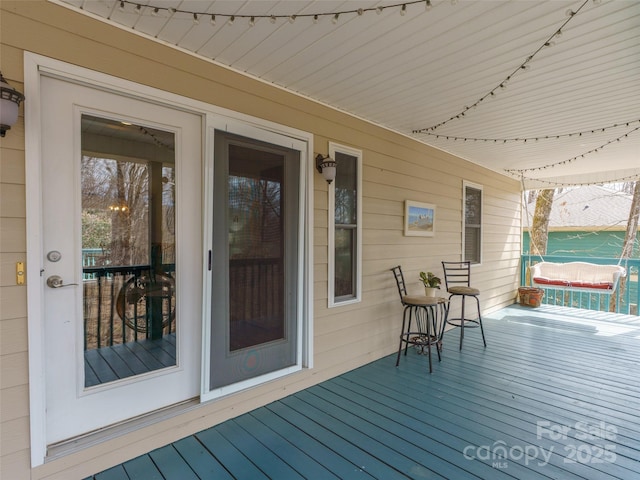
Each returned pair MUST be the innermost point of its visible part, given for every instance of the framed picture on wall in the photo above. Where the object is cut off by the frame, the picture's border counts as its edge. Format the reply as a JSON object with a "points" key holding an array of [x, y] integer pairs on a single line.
{"points": [[419, 219]]}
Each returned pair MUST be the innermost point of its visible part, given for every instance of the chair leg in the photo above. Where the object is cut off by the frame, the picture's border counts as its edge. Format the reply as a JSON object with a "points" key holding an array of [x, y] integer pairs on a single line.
{"points": [[426, 312], [462, 321], [434, 316], [402, 334], [408, 332], [480, 321]]}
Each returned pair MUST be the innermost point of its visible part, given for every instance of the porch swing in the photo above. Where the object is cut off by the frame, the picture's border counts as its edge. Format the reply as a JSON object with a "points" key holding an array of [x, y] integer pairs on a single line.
{"points": [[581, 277]]}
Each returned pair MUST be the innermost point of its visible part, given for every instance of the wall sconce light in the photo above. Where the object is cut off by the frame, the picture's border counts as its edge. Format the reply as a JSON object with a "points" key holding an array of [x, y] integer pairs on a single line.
{"points": [[10, 100], [327, 167]]}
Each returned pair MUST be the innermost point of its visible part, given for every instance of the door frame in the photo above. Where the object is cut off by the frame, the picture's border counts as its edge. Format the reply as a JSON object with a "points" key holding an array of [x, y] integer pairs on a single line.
{"points": [[35, 66]]}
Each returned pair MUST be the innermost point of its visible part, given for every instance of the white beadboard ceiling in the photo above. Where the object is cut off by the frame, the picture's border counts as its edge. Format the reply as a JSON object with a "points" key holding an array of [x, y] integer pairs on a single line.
{"points": [[415, 71]]}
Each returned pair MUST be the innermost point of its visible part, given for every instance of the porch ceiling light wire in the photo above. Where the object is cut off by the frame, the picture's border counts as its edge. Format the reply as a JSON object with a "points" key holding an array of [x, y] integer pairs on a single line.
{"points": [[534, 138], [572, 159], [138, 7], [635, 177], [523, 66]]}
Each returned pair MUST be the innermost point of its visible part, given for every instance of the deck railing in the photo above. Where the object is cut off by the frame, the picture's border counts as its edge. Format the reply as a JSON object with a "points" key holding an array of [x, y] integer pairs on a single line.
{"points": [[127, 303], [625, 298]]}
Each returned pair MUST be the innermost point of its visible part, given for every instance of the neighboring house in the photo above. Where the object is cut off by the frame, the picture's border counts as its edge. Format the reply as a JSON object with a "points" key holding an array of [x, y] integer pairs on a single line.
{"points": [[93, 96], [587, 221]]}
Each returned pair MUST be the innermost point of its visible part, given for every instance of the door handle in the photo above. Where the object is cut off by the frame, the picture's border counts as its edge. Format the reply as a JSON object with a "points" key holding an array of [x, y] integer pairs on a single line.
{"points": [[55, 281]]}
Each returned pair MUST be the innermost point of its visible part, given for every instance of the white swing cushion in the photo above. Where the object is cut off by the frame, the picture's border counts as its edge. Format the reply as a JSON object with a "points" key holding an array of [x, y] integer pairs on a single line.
{"points": [[577, 276]]}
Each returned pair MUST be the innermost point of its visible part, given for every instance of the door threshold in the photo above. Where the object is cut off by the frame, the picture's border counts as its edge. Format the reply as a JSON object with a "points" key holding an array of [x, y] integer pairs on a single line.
{"points": [[90, 439]]}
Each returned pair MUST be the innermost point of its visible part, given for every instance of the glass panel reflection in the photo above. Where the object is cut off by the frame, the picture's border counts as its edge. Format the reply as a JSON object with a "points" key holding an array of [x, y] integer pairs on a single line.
{"points": [[256, 247], [128, 249]]}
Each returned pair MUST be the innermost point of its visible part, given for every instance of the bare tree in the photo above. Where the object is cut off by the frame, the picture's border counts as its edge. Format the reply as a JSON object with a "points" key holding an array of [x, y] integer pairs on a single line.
{"points": [[629, 238], [540, 228]]}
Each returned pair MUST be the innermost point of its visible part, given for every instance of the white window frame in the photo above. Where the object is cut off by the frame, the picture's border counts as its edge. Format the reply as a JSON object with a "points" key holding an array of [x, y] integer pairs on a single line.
{"points": [[466, 184], [357, 297]]}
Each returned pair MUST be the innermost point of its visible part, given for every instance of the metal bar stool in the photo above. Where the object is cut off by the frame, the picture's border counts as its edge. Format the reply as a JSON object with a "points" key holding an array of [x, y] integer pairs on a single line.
{"points": [[425, 310], [457, 278]]}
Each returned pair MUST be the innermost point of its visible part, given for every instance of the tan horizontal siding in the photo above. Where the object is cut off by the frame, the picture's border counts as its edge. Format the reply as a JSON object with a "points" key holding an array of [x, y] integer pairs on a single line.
{"points": [[395, 169], [14, 399]]}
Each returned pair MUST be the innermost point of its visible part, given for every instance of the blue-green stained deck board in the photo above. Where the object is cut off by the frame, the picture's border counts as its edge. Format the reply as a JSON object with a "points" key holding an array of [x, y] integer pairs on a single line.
{"points": [[288, 451], [266, 460], [330, 435], [375, 456], [306, 443], [142, 468], [404, 443], [455, 415], [171, 464], [549, 364], [200, 459], [236, 461], [116, 473]]}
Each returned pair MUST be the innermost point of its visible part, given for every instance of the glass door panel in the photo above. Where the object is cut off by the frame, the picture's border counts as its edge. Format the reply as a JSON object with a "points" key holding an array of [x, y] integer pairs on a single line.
{"points": [[127, 177]]}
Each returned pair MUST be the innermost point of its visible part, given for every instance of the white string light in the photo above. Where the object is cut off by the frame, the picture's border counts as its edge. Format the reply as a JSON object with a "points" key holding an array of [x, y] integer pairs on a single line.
{"points": [[156, 9], [521, 68], [520, 171], [533, 138], [629, 178]]}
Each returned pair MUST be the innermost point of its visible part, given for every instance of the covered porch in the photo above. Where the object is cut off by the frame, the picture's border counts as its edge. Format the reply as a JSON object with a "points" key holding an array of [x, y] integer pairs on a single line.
{"points": [[554, 395]]}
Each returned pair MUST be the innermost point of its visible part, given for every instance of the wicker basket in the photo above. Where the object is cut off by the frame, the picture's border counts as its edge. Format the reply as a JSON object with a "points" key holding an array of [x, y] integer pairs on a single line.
{"points": [[530, 296]]}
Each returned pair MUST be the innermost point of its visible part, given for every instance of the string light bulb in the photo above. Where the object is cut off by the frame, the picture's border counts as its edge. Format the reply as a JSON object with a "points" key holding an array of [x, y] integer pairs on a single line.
{"points": [[522, 67], [196, 20], [213, 20], [142, 7], [252, 21]]}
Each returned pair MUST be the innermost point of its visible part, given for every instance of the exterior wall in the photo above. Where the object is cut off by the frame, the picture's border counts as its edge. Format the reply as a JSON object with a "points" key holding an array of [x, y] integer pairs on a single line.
{"points": [[396, 168]]}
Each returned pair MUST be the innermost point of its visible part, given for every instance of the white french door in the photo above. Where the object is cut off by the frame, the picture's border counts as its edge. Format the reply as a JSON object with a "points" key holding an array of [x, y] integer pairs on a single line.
{"points": [[121, 256]]}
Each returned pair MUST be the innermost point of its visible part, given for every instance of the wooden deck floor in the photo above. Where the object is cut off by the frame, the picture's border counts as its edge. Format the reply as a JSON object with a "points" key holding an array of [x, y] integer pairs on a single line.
{"points": [[556, 394], [107, 364]]}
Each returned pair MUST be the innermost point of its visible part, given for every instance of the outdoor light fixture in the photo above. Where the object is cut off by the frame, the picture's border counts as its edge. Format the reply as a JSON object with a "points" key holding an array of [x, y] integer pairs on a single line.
{"points": [[10, 100], [327, 167]]}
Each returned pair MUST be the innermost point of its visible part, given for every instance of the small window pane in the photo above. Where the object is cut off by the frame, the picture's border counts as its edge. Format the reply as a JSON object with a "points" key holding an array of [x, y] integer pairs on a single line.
{"points": [[472, 224], [473, 206], [346, 190], [345, 254]]}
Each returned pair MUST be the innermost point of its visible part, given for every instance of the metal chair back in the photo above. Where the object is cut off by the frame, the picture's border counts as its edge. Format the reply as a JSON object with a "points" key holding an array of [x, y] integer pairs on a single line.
{"points": [[402, 288], [456, 274]]}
